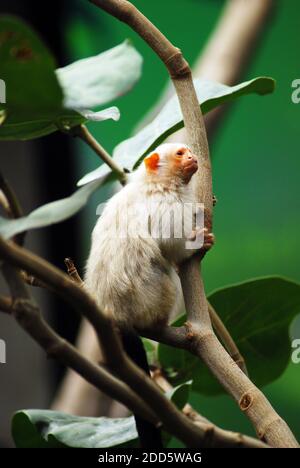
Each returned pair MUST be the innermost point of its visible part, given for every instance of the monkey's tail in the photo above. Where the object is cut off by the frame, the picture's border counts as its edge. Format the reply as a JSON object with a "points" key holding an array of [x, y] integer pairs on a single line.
{"points": [[149, 435]]}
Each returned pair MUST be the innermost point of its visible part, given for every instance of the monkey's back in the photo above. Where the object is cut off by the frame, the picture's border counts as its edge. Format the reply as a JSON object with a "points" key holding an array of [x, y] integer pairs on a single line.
{"points": [[126, 272]]}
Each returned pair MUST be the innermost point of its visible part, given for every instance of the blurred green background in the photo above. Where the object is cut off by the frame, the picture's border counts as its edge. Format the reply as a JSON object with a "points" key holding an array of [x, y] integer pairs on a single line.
{"points": [[255, 158]]}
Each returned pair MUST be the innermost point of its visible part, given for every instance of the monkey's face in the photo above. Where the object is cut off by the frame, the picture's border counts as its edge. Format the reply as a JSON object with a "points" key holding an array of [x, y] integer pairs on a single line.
{"points": [[172, 160], [184, 162]]}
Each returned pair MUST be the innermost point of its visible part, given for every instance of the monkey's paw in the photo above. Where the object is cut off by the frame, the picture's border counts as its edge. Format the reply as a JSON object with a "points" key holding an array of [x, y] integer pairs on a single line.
{"points": [[208, 240]]}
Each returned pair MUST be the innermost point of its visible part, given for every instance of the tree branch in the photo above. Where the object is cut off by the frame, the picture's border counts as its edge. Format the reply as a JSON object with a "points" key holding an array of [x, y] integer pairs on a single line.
{"points": [[11, 205], [219, 438], [29, 318], [269, 425], [82, 132], [5, 304], [204, 344], [224, 335], [172, 419]]}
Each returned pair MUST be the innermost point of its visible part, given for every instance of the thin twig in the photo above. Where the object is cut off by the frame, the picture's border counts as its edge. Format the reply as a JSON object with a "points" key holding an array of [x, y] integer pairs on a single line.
{"points": [[82, 132], [226, 339], [72, 271], [5, 304], [31, 280], [11, 205], [4, 203]]}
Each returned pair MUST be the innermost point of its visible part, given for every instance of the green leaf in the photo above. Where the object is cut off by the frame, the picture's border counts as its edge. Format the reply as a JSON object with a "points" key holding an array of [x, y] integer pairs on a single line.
{"points": [[47, 429], [33, 94], [258, 314], [41, 100], [150, 348], [48, 214], [169, 120], [179, 395], [97, 80]]}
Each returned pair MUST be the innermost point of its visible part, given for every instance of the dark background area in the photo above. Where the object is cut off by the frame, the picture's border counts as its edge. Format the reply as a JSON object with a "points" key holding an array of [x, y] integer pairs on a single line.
{"points": [[256, 179]]}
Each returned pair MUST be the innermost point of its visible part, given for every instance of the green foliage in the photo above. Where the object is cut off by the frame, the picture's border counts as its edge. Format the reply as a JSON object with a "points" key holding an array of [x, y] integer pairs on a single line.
{"points": [[97, 80], [33, 95], [49, 429], [48, 214], [41, 100], [169, 120], [258, 314], [180, 394]]}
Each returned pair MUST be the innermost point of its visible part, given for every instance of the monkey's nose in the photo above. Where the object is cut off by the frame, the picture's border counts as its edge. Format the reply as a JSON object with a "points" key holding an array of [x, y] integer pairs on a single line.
{"points": [[192, 159]]}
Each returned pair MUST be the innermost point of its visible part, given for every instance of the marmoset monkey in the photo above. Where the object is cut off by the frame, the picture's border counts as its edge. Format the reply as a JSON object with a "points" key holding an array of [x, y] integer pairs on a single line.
{"points": [[144, 232], [142, 235]]}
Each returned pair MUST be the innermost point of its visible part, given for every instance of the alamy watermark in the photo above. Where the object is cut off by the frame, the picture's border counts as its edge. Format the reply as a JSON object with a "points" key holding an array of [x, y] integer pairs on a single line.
{"points": [[2, 352], [144, 220], [295, 96], [2, 92], [296, 352]]}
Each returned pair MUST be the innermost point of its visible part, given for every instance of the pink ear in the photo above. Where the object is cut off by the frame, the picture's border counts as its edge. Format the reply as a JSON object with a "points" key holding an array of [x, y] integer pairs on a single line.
{"points": [[151, 161]]}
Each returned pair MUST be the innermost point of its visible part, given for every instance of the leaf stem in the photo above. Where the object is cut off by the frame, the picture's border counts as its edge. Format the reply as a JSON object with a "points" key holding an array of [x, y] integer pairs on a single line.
{"points": [[83, 133]]}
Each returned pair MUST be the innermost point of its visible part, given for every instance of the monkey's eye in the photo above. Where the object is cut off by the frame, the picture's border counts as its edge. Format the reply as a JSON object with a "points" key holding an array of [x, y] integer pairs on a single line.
{"points": [[179, 153]]}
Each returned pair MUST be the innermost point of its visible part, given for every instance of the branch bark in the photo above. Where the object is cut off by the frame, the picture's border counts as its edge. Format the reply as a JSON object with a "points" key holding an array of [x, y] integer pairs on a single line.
{"points": [[224, 335], [11, 205], [27, 314], [218, 437], [5, 304], [77, 396], [203, 343], [116, 359], [269, 426]]}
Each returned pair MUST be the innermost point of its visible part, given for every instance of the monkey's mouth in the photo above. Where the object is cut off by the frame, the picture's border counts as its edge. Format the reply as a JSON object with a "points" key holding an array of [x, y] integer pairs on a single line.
{"points": [[189, 167]]}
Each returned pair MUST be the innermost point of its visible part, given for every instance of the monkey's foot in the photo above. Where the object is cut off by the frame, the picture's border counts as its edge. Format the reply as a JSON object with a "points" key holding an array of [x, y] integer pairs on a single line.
{"points": [[209, 238], [215, 200]]}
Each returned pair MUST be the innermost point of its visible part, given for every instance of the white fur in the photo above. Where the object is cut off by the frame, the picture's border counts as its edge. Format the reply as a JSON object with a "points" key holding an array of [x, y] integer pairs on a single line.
{"points": [[133, 278]]}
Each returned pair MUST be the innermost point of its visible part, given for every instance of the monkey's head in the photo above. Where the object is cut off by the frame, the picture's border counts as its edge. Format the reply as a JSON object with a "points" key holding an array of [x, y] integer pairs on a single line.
{"points": [[171, 160]]}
